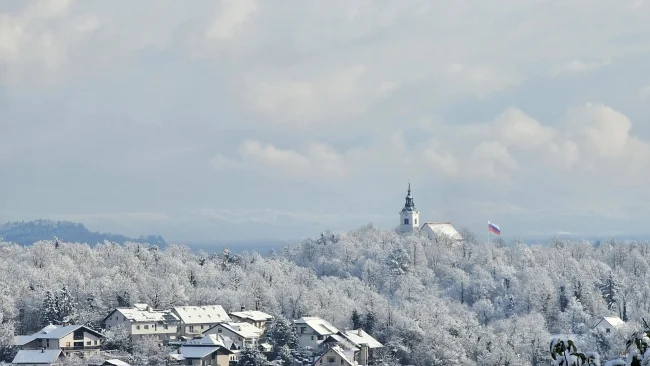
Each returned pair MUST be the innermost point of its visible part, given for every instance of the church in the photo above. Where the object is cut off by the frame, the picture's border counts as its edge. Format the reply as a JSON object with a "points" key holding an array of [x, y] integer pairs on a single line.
{"points": [[409, 221]]}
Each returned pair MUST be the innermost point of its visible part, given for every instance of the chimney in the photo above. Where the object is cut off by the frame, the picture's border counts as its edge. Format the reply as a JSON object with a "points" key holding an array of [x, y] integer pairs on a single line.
{"points": [[243, 308], [43, 350], [359, 332]]}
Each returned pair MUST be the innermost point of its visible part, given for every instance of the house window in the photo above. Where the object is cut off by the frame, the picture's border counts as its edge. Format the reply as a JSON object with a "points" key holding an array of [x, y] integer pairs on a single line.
{"points": [[406, 221], [320, 337], [303, 329], [191, 329], [95, 343], [415, 221], [166, 326], [331, 359], [312, 338], [146, 326], [67, 344], [218, 330], [89, 343], [201, 327], [607, 330], [137, 327], [341, 361]]}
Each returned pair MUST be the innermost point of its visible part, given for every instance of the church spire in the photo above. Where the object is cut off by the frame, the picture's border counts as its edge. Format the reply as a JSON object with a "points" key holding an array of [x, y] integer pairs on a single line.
{"points": [[409, 205]]}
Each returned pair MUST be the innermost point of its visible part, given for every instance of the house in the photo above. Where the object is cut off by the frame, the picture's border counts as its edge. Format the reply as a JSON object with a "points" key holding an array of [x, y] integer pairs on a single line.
{"points": [[38, 357], [209, 350], [357, 344], [609, 323], [141, 320], [194, 320], [243, 334], [69, 339], [336, 356], [115, 362], [254, 317], [312, 331], [439, 230]]}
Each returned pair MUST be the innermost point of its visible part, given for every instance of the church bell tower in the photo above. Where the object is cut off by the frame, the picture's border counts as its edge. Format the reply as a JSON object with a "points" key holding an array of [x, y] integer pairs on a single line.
{"points": [[409, 217]]}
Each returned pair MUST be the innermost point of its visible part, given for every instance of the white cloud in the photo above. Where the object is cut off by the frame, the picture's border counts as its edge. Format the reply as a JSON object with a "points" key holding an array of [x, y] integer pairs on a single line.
{"points": [[317, 161], [579, 67], [230, 16]]}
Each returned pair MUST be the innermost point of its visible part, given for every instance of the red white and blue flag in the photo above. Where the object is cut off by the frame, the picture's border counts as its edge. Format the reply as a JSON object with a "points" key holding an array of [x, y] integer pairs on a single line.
{"points": [[494, 228]]}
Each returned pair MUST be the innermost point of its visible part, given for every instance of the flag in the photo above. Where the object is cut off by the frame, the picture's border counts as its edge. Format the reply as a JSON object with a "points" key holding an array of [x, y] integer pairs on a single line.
{"points": [[494, 228]]}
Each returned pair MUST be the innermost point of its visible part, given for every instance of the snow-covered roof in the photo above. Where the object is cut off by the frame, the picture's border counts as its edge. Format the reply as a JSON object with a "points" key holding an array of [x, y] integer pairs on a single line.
{"points": [[320, 326], [207, 340], [176, 356], [254, 315], [22, 340], [47, 356], [202, 314], [53, 332], [443, 228], [360, 337], [244, 330], [197, 352], [347, 355], [341, 341], [614, 320], [116, 362], [146, 314]]}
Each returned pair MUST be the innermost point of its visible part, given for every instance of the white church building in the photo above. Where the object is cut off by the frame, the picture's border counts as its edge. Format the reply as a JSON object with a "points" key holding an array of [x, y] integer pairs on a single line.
{"points": [[409, 222]]}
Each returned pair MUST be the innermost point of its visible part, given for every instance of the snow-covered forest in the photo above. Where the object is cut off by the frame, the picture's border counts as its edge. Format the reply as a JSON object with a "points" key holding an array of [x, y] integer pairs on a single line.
{"points": [[431, 302]]}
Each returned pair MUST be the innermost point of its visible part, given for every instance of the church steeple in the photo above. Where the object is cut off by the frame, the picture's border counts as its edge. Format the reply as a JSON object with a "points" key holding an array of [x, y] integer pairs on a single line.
{"points": [[409, 216], [409, 205]]}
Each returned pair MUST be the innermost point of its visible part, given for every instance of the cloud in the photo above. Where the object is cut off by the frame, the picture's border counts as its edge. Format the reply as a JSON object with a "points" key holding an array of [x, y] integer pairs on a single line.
{"points": [[317, 161], [579, 67], [142, 95], [230, 16]]}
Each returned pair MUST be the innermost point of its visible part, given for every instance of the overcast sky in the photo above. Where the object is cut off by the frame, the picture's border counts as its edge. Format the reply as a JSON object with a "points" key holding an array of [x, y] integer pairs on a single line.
{"points": [[249, 119]]}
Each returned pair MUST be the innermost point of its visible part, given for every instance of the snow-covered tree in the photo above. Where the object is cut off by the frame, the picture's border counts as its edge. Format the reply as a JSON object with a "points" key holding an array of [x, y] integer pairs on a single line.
{"points": [[252, 357], [282, 333]]}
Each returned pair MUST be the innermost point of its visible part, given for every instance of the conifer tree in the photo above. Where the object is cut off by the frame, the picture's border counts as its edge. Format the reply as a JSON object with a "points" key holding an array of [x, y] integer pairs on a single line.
{"points": [[356, 319], [252, 357], [49, 310], [282, 333]]}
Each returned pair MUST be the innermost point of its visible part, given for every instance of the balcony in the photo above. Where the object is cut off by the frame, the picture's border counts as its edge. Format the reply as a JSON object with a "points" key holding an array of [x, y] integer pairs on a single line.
{"points": [[81, 348]]}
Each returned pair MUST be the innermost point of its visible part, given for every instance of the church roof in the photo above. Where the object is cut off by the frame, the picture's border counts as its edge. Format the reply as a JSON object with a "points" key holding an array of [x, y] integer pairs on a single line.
{"points": [[443, 228]]}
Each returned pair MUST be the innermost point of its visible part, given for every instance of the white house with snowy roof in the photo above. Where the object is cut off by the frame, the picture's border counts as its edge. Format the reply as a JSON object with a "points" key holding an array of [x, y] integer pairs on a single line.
{"points": [[141, 320], [194, 320], [609, 323], [69, 339], [257, 318], [312, 331], [42, 357], [409, 222], [337, 356], [212, 349], [244, 335], [356, 345]]}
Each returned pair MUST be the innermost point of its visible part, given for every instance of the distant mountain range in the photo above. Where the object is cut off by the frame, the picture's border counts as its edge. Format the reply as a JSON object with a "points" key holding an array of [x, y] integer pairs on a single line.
{"points": [[29, 232]]}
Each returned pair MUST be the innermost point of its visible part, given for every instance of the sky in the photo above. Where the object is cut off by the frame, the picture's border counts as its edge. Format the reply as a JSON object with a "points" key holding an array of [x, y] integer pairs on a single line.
{"points": [[250, 120]]}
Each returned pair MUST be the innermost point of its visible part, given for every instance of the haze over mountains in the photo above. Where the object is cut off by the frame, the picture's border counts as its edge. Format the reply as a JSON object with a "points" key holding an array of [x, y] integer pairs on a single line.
{"points": [[29, 232]]}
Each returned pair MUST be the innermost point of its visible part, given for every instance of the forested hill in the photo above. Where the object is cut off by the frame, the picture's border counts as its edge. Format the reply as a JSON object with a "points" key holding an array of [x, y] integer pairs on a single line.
{"points": [[430, 302], [29, 232]]}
